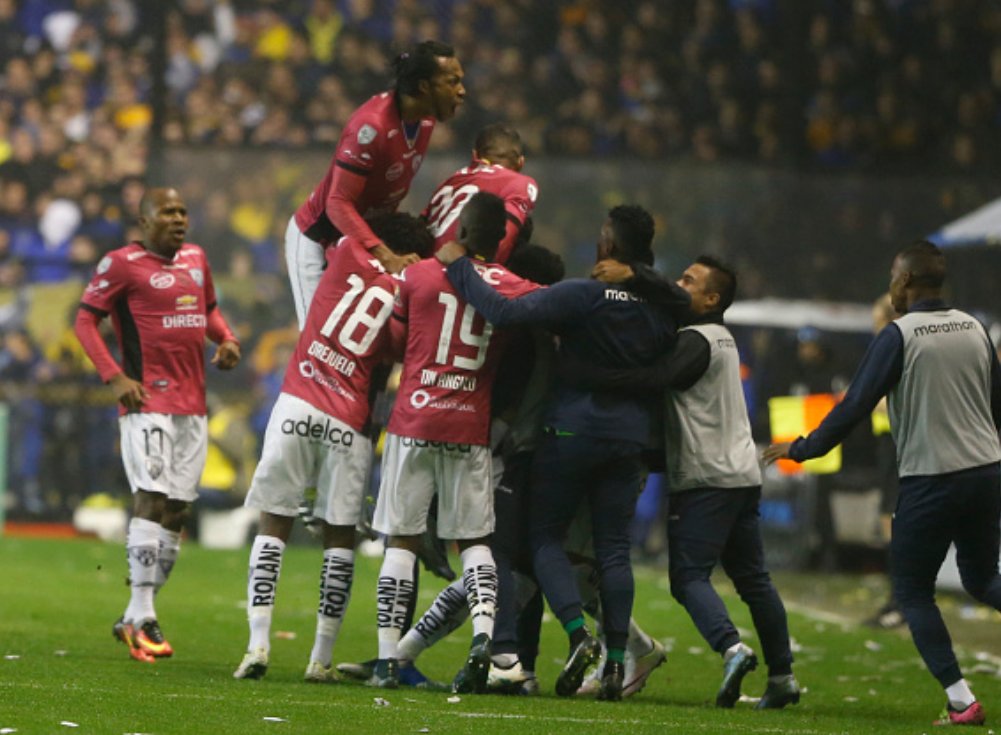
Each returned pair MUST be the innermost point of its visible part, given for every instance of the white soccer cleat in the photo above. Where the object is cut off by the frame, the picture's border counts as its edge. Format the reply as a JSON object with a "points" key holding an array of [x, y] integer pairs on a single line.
{"points": [[253, 666], [317, 673], [506, 680], [641, 668]]}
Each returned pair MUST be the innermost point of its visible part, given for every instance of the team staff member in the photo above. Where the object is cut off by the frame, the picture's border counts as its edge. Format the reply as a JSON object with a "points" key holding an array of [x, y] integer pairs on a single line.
{"points": [[940, 373], [714, 479], [498, 159], [316, 437], [162, 303], [380, 151], [595, 441]]}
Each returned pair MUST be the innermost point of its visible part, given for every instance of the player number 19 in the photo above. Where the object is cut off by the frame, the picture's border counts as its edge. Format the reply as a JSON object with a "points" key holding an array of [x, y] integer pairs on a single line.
{"points": [[466, 335]]}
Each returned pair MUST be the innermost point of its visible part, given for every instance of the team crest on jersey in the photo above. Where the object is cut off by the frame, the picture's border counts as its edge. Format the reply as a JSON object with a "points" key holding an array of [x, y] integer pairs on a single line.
{"points": [[366, 134], [394, 172], [154, 466], [162, 280], [197, 276], [104, 265], [306, 369]]}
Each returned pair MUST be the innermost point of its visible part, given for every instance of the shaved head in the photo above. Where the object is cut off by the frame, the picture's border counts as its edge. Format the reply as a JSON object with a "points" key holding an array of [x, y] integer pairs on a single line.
{"points": [[163, 217]]}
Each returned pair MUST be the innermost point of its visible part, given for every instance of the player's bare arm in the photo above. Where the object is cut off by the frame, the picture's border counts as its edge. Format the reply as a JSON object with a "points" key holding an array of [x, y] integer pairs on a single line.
{"points": [[611, 271], [392, 262], [130, 393], [775, 452], [227, 355], [450, 252]]}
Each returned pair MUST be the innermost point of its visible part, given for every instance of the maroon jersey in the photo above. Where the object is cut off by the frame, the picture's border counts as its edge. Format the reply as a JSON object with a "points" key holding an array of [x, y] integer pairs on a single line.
{"points": [[344, 336], [451, 355], [373, 144], [518, 191], [159, 309]]}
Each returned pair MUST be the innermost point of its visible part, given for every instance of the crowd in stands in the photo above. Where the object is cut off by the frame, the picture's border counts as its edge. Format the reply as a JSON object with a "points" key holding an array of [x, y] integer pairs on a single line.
{"points": [[866, 86]]}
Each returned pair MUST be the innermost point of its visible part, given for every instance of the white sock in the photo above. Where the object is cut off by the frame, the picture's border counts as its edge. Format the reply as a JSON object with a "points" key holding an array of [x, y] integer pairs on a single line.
{"points": [[335, 593], [639, 644], [143, 547], [504, 660], [735, 649], [262, 584], [393, 594], [959, 694], [170, 547], [479, 574], [447, 612]]}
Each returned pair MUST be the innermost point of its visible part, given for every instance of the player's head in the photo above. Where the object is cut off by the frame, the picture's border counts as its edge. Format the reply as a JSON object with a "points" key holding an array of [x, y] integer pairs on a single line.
{"points": [[500, 144], [402, 233], [918, 272], [711, 283], [627, 235], [481, 225], [431, 74], [536, 263], [163, 218]]}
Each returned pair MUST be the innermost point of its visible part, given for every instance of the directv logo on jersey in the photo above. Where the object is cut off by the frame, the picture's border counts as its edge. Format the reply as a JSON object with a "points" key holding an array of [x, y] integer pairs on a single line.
{"points": [[182, 321], [326, 431]]}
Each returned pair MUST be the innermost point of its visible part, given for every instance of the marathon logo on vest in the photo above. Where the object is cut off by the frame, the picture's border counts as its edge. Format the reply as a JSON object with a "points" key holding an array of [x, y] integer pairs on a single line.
{"points": [[726, 343], [614, 294], [409, 441], [326, 432], [945, 328]]}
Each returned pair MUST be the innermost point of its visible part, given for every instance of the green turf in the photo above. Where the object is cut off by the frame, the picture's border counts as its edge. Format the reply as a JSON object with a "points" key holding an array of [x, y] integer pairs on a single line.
{"points": [[60, 663]]}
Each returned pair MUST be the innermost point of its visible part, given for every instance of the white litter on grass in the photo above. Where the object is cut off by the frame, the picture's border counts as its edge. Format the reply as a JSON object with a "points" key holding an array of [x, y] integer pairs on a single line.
{"points": [[7, 730], [794, 646], [274, 719], [696, 650], [408, 699], [380, 702], [67, 723], [424, 729], [453, 700], [60, 652], [872, 692], [749, 700], [12, 656], [851, 699], [285, 635], [873, 646]]}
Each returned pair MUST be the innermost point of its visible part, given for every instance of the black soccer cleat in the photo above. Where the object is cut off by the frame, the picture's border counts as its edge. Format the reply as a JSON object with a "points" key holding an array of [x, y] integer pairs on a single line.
{"points": [[778, 694], [472, 677], [612, 677], [386, 674], [740, 665], [582, 657]]}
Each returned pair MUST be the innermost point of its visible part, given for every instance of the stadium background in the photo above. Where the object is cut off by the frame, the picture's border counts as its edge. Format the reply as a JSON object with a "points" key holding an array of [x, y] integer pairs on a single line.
{"points": [[804, 140]]}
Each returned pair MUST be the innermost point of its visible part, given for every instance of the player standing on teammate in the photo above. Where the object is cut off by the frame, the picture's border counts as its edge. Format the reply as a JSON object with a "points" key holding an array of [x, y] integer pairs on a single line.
{"points": [[940, 373], [713, 476], [162, 303], [437, 442], [594, 442], [380, 151], [317, 436], [498, 159]]}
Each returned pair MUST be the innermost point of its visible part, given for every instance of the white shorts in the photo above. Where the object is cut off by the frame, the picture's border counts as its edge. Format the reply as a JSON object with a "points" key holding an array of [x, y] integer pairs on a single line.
{"points": [[304, 259], [164, 453], [413, 470], [305, 447]]}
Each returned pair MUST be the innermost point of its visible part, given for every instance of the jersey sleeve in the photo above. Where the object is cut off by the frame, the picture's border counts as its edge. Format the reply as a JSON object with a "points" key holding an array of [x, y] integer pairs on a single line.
{"points": [[87, 331], [519, 203], [107, 286], [358, 150]]}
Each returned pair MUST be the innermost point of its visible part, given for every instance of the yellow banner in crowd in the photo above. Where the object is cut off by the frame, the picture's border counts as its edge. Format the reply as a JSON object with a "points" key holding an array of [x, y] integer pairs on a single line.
{"points": [[795, 416]]}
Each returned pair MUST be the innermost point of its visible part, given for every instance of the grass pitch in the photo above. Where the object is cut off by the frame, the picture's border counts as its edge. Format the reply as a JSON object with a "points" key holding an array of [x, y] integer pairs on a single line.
{"points": [[61, 671]]}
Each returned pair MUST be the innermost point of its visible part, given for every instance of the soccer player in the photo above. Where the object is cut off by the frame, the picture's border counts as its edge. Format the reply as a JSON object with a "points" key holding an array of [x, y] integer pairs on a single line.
{"points": [[437, 442], [594, 442], [316, 436], [713, 476], [940, 373], [379, 152], [162, 303], [498, 159]]}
